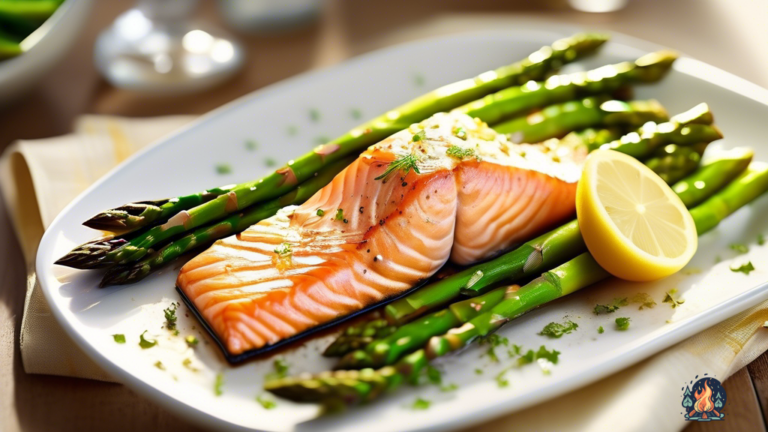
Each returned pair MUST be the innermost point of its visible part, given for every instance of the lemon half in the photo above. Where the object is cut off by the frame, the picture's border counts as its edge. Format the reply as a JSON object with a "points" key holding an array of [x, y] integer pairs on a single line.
{"points": [[632, 222]]}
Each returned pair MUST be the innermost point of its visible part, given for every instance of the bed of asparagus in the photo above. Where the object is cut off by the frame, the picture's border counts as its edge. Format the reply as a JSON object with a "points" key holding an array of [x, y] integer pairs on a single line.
{"points": [[527, 100], [18, 19]]}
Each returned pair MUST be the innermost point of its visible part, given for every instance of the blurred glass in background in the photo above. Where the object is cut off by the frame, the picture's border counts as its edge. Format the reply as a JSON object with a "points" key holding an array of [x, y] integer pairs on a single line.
{"points": [[157, 47]]}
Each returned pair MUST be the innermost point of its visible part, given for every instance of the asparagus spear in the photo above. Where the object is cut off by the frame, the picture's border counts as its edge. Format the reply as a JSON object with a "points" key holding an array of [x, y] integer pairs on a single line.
{"points": [[557, 120], [533, 257], [535, 67], [561, 88], [672, 162], [134, 272], [387, 350], [135, 215], [354, 387]]}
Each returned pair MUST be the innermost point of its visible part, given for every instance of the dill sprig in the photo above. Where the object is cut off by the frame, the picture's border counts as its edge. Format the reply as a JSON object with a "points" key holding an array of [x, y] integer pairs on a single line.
{"points": [[405, 164]]}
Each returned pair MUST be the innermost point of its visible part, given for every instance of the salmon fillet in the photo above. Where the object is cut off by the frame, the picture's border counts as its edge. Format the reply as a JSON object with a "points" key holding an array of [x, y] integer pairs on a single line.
{"points": [[447, 188]]}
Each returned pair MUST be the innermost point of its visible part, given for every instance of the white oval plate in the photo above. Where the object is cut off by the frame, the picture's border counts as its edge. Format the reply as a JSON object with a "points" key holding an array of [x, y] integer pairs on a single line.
{"points": [[279, 120]]}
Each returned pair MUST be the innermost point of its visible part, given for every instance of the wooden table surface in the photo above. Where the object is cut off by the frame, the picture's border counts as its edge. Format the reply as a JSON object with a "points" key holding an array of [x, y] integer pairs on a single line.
{"points": [[731, 35]]}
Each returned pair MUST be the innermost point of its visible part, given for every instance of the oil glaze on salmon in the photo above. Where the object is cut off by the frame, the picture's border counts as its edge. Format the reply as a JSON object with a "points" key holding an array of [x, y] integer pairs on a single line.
{"points": [[475, 194]]}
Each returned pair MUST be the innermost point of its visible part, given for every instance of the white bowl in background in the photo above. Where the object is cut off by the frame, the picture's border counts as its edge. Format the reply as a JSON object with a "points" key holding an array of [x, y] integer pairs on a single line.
{"points": [[43, 48]]}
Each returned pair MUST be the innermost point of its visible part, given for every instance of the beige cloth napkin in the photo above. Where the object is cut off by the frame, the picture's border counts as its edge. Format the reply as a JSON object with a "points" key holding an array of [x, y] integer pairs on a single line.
{"points": [[40, 177]]}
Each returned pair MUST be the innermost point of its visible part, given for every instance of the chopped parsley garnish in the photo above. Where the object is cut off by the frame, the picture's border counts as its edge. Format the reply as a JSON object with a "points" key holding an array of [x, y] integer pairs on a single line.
{"points": [[280, 370], [223, 168], [622, 323], [605, 309], [744, 268], [356, 113], [557, 330], [419, 136], [145, 343], [600, 330], [760, 239], [460, 133], [292, 130], [478, 371], [283, 249], [500, 380], [320, 212], [670, 298], [159, 365], [191, 340], [187, 363], [314, 115], [460, 153], [434, 376], [269, 162], [739, 248], [449, 388], [170, 316], [339, 215], [119, 338], [543, 357], [421, 404], [251, 145], [644, 300], [494, 341], [418, 79], [542, 353], [405, 164], [514, 350], [218, 384], [266, 402]]}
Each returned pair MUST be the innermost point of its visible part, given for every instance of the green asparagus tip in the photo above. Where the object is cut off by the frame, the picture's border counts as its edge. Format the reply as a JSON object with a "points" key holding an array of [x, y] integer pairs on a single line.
{"points": [[125, 274], [90, 255], [124, 217], [700, 114], [663, 58]]}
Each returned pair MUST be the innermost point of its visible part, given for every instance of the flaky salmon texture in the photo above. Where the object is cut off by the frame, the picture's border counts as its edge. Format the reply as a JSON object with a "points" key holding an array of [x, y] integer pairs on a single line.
{"points": [[449, 188]]}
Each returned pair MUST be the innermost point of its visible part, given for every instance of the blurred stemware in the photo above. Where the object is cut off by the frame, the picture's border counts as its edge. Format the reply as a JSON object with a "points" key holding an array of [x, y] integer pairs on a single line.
{"points": [[156, 47]]}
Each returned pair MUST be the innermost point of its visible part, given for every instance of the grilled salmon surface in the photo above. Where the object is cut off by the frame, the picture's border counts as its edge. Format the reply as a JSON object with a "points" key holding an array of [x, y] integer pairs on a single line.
{"points": [[447, 188]]}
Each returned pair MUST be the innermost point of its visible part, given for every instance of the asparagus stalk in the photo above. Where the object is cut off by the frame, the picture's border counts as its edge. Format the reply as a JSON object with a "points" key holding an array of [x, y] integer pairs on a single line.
{"points": [[745, 188], [532, 258], [134, 272], [673, 162], [521, 100], [354, 387], [692, 190], [535, 67], [135, 215], [557, 120], [412, 336]]}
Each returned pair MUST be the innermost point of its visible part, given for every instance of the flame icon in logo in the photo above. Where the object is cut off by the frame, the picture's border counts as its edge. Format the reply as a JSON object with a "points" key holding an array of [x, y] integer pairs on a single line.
{"points": [[704, 401]]}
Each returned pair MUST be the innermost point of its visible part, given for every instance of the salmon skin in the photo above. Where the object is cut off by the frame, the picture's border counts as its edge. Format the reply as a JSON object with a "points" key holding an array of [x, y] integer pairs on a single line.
{"points": [[449, 188]]}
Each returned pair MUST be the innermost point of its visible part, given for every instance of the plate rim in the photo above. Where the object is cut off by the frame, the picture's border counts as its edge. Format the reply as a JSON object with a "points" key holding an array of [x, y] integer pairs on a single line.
{"points": [[687, 65]]}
